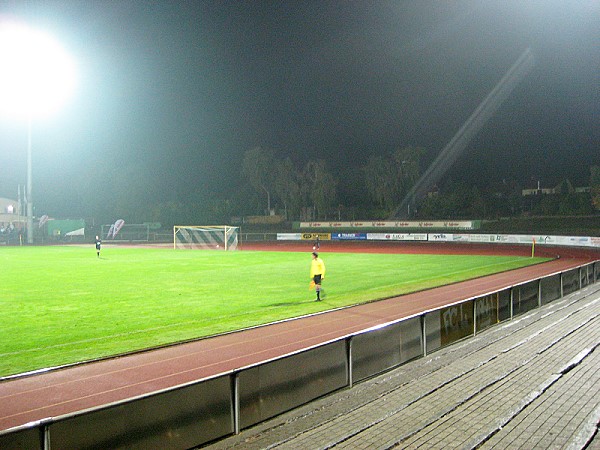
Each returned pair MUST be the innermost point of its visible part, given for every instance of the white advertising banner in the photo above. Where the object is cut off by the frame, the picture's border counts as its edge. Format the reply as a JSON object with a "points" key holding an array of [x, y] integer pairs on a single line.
{"points": [[397, 236], [441, 237], [289, 236], [523, 239], [575, 240], [460, 238], [457, 225], [482, 238]]}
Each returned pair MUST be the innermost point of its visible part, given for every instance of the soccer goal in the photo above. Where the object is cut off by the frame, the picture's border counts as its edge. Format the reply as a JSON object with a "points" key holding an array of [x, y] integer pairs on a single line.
{"points": [[220, 237]]}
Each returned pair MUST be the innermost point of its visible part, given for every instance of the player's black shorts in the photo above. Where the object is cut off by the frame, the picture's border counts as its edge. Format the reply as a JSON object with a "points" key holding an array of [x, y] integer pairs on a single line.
{"points": [[317, 279]]}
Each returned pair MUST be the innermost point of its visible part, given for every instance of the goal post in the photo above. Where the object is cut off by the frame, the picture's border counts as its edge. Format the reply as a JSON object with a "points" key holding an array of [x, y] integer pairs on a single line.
{"points": [[214, 237]]}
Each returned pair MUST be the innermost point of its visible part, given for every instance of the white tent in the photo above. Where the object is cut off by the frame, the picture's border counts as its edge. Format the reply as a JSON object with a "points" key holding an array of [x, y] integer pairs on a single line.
{"points": [[79, 232]]}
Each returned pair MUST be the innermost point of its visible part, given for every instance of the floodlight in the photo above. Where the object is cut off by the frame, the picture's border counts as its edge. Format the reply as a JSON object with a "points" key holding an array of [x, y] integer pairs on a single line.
{"points": [[36, 73]]}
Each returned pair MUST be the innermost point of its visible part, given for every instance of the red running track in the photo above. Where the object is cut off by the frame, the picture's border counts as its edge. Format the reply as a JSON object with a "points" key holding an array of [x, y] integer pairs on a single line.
{"points": [[64, 391]]}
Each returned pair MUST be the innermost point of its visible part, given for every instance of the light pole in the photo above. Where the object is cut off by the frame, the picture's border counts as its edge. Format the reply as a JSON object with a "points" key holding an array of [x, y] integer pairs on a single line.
{"points": [[29, 187], [37, 76]]}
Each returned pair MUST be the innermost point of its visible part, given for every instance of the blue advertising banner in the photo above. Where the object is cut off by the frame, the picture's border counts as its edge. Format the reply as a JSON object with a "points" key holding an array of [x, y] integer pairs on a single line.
{"points": [[348, 236]]}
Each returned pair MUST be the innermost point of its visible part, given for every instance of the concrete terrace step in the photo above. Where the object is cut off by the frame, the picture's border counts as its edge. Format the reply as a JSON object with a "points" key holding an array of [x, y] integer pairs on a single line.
{"points": [[529, 383]]}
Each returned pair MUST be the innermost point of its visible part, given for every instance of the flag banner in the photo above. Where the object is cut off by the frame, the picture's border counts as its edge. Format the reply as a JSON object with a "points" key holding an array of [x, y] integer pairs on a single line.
{"points": [[117, 227], [43, 221]]}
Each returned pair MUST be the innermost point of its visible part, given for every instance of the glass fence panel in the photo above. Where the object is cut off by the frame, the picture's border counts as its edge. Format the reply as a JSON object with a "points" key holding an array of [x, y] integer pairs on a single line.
{"points": [[583, 277], [411, 339], [433, 335], [525, 297], [487, 309], [456, 322], [550, 288], [504, 312], [28, 438], [375, 351], [281, 385], [181, 418], [570, 281]]}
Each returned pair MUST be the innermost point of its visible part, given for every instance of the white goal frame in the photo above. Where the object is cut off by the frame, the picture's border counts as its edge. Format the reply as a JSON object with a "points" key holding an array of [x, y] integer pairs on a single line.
{"points": [[207, 237]]}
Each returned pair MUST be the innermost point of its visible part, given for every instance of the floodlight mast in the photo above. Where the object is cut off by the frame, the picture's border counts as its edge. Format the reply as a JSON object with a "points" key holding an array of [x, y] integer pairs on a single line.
{"points": [[36, 77], [29, 186]]}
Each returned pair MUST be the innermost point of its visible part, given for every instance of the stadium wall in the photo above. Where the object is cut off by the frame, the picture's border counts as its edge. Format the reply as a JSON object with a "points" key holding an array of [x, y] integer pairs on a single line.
{"points": [[213, 408]]}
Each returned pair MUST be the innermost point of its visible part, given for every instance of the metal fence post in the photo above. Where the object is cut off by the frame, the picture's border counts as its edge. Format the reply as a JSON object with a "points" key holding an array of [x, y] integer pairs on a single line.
{"points": [[235, 403], [474, 317], [349, 361], [46, 437], [424, 335], [562, 292]]}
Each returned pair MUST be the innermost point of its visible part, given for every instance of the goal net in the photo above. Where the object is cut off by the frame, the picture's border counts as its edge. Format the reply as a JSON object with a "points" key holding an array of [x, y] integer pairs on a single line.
{"points": [[220, 237]]}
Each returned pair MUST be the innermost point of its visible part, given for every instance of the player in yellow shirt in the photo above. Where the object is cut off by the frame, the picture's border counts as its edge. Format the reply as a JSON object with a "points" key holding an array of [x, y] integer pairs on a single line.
{"points": [[317, 273]]}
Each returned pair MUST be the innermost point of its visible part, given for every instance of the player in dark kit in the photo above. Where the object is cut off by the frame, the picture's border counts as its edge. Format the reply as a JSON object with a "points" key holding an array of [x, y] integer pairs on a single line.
{"points": [[98, 245]]}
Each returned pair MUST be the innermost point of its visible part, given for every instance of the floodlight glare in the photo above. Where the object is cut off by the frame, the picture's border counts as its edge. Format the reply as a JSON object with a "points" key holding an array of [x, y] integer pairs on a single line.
{"points": [[36, 76]]}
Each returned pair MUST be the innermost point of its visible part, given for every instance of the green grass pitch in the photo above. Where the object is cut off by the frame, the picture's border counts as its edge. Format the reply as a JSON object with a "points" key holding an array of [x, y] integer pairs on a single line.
{"points": [[61, 305]]}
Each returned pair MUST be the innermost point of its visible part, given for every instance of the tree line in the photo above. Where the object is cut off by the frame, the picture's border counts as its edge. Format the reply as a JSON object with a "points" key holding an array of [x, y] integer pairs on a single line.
{"points": [[310, 190]]}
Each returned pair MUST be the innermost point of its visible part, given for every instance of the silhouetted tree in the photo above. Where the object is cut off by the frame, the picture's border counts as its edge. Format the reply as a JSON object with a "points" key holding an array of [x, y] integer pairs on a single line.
{"points": [[595, 186], [321, 187], [389, 178], [381, 181], [287, 187], [408, 164], [258, 168]]}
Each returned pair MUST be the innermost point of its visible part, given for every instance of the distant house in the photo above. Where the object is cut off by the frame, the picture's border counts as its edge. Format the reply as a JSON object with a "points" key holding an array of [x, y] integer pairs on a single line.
{"points": [[537, 191], [583, 189], [10, 212], [11, 219], [564, 187]]}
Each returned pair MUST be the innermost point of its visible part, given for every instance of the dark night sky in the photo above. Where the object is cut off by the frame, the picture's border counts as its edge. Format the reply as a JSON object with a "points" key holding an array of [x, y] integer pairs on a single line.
{"points": [[171, 94]]}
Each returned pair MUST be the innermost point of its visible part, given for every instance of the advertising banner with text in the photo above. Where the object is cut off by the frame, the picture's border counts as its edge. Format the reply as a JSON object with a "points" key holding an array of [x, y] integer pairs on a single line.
{"points": [[455, 225], [397, 236], [348, 236]]}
